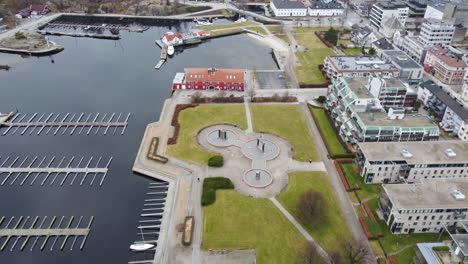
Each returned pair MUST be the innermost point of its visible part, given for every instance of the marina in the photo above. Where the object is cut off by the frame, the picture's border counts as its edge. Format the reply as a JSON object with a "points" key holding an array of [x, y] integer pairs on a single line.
{"points": [[66, 171], [56, 123], [20, 232], [98, 76]]}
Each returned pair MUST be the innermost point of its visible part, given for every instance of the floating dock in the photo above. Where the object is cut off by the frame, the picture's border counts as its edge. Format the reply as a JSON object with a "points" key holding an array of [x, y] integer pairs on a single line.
{"points": [[163, 56], [150, 224], [53, 170], [45, 123], [33, 229]]}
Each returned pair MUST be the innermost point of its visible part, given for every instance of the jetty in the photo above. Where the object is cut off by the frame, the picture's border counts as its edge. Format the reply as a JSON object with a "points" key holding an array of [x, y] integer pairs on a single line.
{"points": [[80, 34], [34, 228], [28, 170], [44, 123], [163, 56]]}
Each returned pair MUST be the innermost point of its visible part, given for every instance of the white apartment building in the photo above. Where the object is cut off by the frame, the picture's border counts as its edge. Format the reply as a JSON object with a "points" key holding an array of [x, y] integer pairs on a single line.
{"points": [[400, 162], [325, 8], [358, 66], [424, 207], [436, 32], [383, 11], [288, 8]]}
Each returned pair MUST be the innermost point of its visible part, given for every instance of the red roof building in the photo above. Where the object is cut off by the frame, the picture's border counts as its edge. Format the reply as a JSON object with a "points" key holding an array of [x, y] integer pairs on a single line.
{"points": [[445, 65], [210, 79]]}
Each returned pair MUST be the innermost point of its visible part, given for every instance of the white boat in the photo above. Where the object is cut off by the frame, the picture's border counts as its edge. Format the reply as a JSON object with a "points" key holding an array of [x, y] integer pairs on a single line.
{"points": [[203, 22], [170, 50], [141, 246], [240, 20]]}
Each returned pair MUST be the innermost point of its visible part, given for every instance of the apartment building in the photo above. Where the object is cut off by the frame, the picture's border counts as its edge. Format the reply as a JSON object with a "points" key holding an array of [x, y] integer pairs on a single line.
{"points": [[325, 8], [382, 11], [289, 8], [358, 66], [424, 207], [435, 31], [410, 71], [446, 66], [408, 162], [359, 115], [453, 116]]}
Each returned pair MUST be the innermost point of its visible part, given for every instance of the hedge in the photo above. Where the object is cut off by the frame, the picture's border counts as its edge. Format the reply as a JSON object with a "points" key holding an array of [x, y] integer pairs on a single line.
{"points": [[210, 185], [441, 248], [152, 151], [216, 161]]}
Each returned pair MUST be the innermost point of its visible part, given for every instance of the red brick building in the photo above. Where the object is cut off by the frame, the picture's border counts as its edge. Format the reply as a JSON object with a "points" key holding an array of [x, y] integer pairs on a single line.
{"points": [[210, 79]]}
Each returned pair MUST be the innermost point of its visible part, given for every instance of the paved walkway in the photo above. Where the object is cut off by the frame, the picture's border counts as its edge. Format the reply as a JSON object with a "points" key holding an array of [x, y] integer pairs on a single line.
{"points": [[248, 115], [299, 227], [342, 196]]}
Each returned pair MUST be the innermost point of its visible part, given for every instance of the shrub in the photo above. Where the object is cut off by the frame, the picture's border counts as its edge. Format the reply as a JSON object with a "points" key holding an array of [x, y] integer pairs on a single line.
{"points": [[331, 36], [321, 99], [19, 35], [210, 185], [216, 161], [311, 206]]}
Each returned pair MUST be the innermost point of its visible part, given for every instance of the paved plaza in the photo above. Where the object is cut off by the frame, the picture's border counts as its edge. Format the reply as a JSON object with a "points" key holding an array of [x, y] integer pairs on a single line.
{"points": [[257, 163]]}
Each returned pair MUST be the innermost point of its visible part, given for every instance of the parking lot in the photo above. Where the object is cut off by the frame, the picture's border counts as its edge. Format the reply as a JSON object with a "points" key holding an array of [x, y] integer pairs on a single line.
{"points": [[271, 79]]}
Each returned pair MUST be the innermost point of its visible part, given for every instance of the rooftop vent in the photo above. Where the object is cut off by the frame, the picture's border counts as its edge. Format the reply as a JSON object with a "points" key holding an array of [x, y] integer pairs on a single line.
{"points": [[450, 153], [457, 195], [406, 154]]}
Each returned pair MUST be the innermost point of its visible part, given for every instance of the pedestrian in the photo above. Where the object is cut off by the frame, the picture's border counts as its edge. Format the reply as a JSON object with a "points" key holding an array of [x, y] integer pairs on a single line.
{"points": [[198, 179], [310, 161]]}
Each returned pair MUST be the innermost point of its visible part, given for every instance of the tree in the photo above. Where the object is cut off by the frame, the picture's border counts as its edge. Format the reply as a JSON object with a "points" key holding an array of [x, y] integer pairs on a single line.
{"points": [[251, 94], [196, 97], [221, 94], [417, 105], [321, 99], [311, 207], [372, 51], [310, 255], [351, 253], [332, 36]]}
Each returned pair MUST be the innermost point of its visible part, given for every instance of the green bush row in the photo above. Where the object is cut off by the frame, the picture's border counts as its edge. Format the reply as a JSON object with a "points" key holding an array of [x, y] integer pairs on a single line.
{"points": [[441, 248], [216, 161], [210, 185]]}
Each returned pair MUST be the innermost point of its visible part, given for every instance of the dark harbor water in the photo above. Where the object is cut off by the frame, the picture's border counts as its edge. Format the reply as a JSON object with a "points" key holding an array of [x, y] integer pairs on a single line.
{"points": [[99, 76]]}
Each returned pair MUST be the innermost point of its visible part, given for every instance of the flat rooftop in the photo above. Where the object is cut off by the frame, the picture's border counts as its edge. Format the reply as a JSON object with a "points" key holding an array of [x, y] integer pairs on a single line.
{"points": [[430, 152], [400, 58], [361, 63], [462, 241], [428, 194], [357, 86], [409, 121]]}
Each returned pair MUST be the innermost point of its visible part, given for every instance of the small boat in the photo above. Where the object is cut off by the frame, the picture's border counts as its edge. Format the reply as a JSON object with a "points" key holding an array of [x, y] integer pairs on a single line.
{"points": [[170, 50], [203, 22], [240, 20], [141, 246], [87, 28]]}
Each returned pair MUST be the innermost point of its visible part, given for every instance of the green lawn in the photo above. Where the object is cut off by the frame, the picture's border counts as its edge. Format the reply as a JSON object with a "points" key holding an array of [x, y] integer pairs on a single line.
{"points": [[275, 29], [331, 139], [287, 121], [315, 54], [194, 119], [258, 30], [235, 221], [284, 37], [353, 51], [226, 31], [237, 25], [367, 191], [334, 229]]}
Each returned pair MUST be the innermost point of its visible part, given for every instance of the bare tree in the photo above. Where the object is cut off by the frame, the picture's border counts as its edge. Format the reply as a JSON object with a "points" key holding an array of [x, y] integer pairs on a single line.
{"points": [[196, 97], [311, 206], [251, 94], [351, 253], [310, 255], [221, 94]]}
